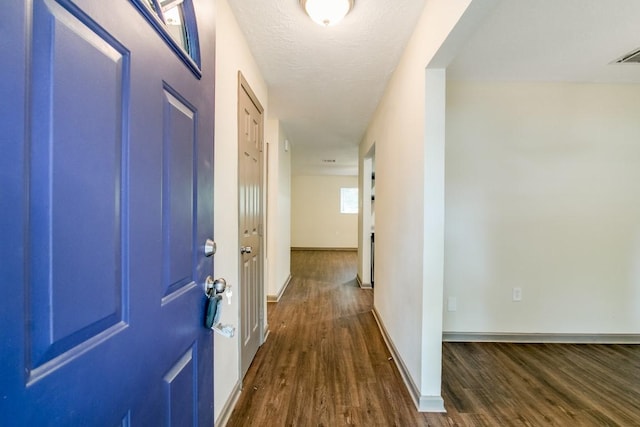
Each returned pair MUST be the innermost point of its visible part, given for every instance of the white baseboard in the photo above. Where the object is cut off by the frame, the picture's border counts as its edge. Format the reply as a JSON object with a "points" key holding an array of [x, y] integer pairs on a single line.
{"points": [[225, 414], [423, 403], [276, 298], [299, 248], [363, 285], [541, 338], [431, 404]]}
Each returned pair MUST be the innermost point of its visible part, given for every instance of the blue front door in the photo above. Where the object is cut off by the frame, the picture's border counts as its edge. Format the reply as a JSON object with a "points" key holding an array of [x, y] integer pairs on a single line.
{"points": [[106, 200]]}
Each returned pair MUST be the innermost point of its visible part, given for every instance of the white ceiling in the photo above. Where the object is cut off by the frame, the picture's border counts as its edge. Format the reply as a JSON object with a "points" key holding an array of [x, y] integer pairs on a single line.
{"points": [[325, 83], [553, 40]]}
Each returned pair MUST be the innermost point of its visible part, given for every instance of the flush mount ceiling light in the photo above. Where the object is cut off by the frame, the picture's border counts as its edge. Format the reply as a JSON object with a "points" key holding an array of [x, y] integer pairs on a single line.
{"points": [[327, 12]]}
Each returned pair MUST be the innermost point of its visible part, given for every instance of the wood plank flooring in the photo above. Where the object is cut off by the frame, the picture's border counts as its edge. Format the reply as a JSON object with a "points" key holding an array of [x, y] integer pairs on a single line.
{"points": [[325, 364]]}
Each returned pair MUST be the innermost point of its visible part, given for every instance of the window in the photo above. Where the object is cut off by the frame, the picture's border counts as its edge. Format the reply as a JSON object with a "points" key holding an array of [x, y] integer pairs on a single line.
{"points": [[349, 200], [175, 21]]}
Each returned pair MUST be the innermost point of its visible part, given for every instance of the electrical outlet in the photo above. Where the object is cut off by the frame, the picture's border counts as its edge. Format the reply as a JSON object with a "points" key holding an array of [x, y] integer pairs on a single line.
{"points": [[452, 304], [517, 294]]}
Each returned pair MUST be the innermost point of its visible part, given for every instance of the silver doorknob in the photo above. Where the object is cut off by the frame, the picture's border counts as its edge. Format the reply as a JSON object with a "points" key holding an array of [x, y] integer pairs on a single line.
{"points": [[210, 248], [217, 286], [246, 249]]}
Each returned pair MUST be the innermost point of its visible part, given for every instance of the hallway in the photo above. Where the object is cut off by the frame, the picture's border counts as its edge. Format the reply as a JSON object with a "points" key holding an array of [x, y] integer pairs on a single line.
{"points": [[324, 362]]}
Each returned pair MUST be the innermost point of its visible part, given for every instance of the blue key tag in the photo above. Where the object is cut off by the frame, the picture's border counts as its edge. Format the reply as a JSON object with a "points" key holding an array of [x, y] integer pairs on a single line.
{"points": [[212, 314]]}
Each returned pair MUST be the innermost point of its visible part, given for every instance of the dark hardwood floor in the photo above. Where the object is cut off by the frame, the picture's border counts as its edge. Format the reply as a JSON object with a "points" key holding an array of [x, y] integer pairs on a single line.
{"points": [[325, 364]]}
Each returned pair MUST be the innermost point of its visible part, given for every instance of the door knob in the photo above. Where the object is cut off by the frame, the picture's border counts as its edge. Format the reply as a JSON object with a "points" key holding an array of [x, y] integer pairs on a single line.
{"points": [[210, 248], [246, 249], [212, 287]]}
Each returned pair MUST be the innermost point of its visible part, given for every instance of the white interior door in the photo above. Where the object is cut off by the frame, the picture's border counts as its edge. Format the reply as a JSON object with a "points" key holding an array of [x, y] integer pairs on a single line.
{"points": [[250, 142]]}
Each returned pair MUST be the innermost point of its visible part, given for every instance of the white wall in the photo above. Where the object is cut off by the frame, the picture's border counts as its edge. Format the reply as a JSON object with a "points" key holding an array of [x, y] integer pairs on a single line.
{"points": [[316, 221], [542, 193], [278, 209], [232, 54], [404, 299]]}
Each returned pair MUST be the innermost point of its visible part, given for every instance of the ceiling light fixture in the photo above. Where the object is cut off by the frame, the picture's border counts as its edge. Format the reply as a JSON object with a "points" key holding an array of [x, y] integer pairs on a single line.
{"points": [[327, 12]]}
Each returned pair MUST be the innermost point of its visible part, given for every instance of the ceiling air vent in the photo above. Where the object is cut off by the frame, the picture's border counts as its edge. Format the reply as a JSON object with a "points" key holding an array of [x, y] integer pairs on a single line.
{"points": [[631, 57]]}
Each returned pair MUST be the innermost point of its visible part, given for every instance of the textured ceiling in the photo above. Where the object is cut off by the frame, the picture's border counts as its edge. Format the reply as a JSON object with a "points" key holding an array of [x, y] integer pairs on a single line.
{"points": [[325, 83], [553, 40]]}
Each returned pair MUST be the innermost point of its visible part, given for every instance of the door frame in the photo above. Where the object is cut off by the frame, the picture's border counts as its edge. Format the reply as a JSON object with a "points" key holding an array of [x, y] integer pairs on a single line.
{"points": [[243, 86]]}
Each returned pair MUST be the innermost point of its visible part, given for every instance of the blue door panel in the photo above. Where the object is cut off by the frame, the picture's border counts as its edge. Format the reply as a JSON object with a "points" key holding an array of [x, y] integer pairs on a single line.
{"points": [[75, 170], [107, 197], [179, 182], [180, 390]]}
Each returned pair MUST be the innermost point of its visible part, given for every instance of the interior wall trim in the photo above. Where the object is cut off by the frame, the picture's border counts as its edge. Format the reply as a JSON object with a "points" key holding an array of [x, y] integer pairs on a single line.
{"points": [[324, 249], [423, 403], [276, 298], [225, 414], [361, 284], [541, 338]]}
